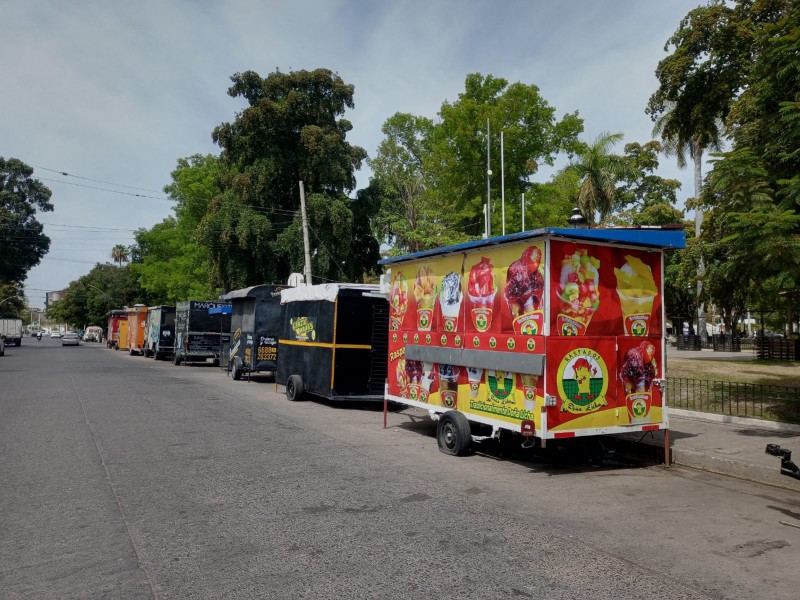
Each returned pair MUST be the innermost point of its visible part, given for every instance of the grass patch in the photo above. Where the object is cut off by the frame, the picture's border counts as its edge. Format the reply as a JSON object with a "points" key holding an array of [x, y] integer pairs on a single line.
{"points": [[762, 372]]}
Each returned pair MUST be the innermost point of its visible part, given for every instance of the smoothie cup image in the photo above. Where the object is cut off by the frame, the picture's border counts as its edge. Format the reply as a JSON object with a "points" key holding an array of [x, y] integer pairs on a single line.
{"points": [[414, 376], [425, 382], [578, 292], [529, 389], [637, 292], [450, 300], [481, 290], [448, 385], [425, 295], [398, 301], [639, 369], [474, 376]]}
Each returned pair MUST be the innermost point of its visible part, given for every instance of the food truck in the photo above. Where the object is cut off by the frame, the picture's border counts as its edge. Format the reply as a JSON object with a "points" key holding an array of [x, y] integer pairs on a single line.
{"points": [[116, 332], [137, 319], [159, 332], [553, 333], [333, 342], [255, 329], [198, 332]]}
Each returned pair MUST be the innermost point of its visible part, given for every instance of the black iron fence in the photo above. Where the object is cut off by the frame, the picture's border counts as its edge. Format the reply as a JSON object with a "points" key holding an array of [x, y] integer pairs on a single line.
{"points": [[770, 402]]}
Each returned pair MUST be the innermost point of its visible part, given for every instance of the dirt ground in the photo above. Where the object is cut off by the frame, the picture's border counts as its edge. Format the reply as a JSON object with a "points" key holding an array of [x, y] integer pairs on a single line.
{"points": [[754, 371]]}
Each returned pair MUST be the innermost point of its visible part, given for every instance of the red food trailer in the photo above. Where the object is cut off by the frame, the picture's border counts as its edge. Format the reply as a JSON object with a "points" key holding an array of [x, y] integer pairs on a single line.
{"points": [[113, 332], [552, 333]]}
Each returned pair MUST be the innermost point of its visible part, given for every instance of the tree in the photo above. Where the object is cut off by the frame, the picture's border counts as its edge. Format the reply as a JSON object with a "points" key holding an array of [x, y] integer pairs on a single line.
{"points": [[599, 172], [169, 263], [22, 239], [292, 130], [88, 299], [119, 254], [433, 176]]}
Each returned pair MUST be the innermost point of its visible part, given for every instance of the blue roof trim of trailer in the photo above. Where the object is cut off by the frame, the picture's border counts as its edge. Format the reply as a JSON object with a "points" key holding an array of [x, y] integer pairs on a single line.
{"points": [[645, 237], [222, 309]]}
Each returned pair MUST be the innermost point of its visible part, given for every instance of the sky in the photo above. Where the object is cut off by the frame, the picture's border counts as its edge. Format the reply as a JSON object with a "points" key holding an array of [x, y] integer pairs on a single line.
{"points": [[114, 93]]}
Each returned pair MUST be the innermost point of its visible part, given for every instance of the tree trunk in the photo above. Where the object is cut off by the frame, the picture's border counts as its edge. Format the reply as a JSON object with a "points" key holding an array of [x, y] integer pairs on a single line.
{"points": [[698, 225]]}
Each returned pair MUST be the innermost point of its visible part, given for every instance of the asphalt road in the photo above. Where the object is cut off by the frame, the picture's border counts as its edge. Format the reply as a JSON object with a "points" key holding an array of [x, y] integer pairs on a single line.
{"points": [[122, 477]]}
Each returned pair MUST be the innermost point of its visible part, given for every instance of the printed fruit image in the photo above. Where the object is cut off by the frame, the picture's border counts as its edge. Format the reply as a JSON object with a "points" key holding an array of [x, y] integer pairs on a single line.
{"points": [[398, 300], [425, 287], [637, 291], [525, 283], [639, 368], [481, 290], [579, 286]]}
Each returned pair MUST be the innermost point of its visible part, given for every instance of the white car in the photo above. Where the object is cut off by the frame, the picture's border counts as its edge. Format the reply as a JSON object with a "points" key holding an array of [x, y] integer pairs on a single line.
{"points": [[71, 339], [55, 334]]}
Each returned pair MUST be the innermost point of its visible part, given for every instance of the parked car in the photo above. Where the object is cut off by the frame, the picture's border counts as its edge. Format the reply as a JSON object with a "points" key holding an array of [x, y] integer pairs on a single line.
{"points": [[71, 338], [55, 334]]}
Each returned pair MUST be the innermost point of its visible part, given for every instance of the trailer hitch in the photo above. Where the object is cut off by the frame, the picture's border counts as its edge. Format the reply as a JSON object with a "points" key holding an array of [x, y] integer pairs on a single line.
{"points": [[787, 465]]}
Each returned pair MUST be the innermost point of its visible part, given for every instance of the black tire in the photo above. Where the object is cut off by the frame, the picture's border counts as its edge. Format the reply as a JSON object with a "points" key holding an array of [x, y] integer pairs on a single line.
{"points": [[18, 343], [156, 355], [294, 388], [176, 358], [453, 433], [236, 369]]}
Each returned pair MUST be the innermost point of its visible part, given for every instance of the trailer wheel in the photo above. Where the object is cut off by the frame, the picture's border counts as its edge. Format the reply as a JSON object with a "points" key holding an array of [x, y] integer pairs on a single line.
{"points": [[176, 358], [294, 388], [236, 369], [453, 433]]}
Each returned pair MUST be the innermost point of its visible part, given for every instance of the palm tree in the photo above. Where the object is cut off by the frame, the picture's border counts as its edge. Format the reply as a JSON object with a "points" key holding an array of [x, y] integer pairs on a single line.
{"points": [[683, 132], [119, 253], [599, 171]]}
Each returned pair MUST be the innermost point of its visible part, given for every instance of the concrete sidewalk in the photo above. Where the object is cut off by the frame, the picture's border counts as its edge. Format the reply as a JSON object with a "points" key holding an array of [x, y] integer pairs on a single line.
{"points": [[726, 445]]}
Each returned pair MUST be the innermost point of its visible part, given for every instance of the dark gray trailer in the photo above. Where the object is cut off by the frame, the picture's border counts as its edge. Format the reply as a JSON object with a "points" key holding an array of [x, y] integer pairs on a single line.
{"points": [[255, 329], [198, 333], [334, 342]]}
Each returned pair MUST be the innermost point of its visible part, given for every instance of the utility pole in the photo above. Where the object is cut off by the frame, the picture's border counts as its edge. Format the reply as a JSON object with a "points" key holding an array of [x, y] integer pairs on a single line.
{"points": [[488, 184], [503, 181], [307, 250]]}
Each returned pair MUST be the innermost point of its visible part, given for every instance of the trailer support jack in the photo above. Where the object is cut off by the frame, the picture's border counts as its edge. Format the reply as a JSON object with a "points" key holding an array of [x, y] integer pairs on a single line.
{"points": [[787, 465]]}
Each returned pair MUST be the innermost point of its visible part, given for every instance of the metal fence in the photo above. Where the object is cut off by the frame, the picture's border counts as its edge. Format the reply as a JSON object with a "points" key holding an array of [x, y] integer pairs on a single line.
{"points": [[770, 402]]}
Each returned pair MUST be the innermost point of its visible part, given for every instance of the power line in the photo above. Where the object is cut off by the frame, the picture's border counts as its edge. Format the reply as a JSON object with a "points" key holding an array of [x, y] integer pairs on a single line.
{"points": [[92, 187], [65, 174]]}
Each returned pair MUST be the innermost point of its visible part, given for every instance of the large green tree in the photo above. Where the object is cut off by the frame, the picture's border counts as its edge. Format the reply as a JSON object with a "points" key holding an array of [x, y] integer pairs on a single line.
{"points": [[168, 260], [433, 175], [22, 239], [292, 130], [87, 300]]}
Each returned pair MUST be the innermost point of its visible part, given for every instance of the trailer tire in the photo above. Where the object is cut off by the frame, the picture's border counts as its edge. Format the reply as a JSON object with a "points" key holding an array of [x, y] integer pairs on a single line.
{"points": [[236, 369], [453, 433], [176, 358], [294, 388]]}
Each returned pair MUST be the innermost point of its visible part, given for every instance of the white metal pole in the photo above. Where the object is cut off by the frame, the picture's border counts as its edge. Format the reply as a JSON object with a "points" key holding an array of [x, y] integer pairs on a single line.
{"points": [[485, 220], [502, 183], [523, 212], [306, 248], [488, 184]]}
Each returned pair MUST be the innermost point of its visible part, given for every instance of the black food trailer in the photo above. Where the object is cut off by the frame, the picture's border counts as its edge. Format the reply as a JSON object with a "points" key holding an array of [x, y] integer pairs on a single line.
{"points": [[334, 341], [159, 332], [255, 329], [198, 333]]}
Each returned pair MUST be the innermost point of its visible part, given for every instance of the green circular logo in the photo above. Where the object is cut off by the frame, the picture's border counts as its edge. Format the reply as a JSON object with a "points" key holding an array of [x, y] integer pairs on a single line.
{"points": [[428, 338], [476, 341], [416, 338], [458, 340], [405, 338], [481, 322], [511, 344], [639, 328], [394, 337], [531, 345], [492, 343], [444, 340]]}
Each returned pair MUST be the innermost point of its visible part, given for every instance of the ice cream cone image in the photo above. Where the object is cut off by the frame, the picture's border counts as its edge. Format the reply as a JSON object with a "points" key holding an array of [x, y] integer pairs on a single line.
{"points": [[474, 376], [637, 292], [450, 301], [425, 295]]}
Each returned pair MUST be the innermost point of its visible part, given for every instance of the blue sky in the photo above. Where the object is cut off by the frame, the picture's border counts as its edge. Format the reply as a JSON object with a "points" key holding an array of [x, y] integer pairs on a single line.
{"points": [[117, 92]]}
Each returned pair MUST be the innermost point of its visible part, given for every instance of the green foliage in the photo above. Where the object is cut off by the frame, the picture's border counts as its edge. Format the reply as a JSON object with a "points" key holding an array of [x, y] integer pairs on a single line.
{"points": [[169, 263], [22, 239], [88, 299], [12, 299], [291, 131], [432, 177]]}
